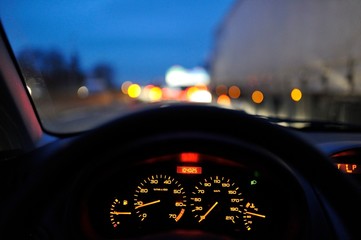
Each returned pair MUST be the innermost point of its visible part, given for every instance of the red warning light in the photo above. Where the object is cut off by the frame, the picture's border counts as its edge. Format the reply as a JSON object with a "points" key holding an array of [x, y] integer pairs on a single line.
{"points": [[189, 157]]}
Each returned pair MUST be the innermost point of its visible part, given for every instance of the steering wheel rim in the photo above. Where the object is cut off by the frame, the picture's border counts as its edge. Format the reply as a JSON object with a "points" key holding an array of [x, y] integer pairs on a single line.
{"points": [[257, 131]]}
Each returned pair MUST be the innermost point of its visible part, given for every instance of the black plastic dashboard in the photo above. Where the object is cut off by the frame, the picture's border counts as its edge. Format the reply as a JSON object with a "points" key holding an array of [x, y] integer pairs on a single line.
{"points": [[243, 179], [195, 192], [343, 149], [227, 192]]}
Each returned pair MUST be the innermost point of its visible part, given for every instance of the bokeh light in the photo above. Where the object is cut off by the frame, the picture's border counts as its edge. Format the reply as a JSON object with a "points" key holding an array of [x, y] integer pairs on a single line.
{"points": [[83, 92], [234, 92], [125, 86], [296, 94], [224, 100], [134, 90], [257, 97], [155, 94]]}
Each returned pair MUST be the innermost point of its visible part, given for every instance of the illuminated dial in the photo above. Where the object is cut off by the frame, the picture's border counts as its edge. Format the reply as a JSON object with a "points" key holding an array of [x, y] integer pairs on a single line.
{"points": [[251, 214], [217, 199], [161, 198], [119, 212]]}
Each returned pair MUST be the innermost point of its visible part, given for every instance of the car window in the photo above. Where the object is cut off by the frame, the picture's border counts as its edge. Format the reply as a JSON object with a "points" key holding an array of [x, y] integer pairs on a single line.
{"points": [[87, 62]]}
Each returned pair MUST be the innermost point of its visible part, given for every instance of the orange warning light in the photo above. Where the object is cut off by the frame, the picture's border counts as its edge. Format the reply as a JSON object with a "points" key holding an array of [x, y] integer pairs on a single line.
{"points": [[189, 170]]}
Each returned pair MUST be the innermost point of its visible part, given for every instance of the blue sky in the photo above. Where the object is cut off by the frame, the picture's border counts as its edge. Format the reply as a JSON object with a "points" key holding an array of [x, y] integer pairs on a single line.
{"points": [[141, 39]]}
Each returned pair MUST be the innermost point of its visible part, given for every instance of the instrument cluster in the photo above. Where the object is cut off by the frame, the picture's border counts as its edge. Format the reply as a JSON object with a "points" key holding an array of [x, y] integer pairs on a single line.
{"points": [[193, 192]]}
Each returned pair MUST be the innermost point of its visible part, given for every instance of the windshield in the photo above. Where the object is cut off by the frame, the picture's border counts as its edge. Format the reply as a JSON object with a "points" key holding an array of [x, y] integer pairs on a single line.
{"points": [[87, 62]]}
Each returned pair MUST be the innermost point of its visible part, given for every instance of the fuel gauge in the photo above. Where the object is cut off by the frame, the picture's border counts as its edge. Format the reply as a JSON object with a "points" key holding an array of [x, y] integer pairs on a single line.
{"points": [[119, 212]]}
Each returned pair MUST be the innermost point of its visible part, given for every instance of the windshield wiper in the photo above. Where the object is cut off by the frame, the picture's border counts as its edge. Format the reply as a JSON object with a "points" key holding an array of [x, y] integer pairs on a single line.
{"points": [[314, 125]]}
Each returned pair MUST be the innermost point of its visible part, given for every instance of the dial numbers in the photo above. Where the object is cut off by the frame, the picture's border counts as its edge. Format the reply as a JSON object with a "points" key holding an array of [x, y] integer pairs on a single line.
{"points": [[160, 197], [217, 198]]}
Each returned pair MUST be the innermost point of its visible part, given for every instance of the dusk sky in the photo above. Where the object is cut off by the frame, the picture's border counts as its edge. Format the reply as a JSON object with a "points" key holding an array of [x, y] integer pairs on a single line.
{"points": [[141, 39]]}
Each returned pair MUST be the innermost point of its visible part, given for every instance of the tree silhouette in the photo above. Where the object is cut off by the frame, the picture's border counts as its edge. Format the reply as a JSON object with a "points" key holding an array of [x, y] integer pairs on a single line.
{"points": [[104, 73], [61, 76], [50, 68]]}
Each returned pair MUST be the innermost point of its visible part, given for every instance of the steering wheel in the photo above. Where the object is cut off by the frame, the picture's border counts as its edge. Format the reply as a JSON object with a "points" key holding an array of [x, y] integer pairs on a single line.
{"points": [[54, 168]]}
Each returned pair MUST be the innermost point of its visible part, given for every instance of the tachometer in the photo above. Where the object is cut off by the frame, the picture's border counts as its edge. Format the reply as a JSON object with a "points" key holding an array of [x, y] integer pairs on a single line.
{"points": [[160, 198]]}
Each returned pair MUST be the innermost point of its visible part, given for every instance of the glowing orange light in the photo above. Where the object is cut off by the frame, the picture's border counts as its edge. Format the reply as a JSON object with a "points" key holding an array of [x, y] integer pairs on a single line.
{"points": [[180, 214], [134, 90], [189, 170], [182, 95], [234, 92], [348, 168], [191, 91], [257, 97], [224, 100], [296, 94], [189, 157]]}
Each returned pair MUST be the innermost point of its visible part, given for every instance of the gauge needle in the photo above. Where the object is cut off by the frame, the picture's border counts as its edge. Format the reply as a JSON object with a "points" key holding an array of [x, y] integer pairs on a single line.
{"points": [[147, 204], [205, 215], [256, 214], [120, 213]]}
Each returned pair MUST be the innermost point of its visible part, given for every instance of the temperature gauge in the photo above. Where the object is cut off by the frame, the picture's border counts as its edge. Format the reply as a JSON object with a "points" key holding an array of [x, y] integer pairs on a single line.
{"points": [[251, 215]]}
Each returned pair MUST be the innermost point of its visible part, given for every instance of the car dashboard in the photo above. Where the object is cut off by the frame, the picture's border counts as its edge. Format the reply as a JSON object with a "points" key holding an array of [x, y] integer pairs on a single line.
{"points": [[193, 192], [186, 181]]}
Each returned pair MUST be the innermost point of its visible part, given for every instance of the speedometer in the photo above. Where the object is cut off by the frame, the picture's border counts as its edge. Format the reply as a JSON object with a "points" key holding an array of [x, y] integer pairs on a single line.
{"points": [[159, 198], [217, 199]]}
